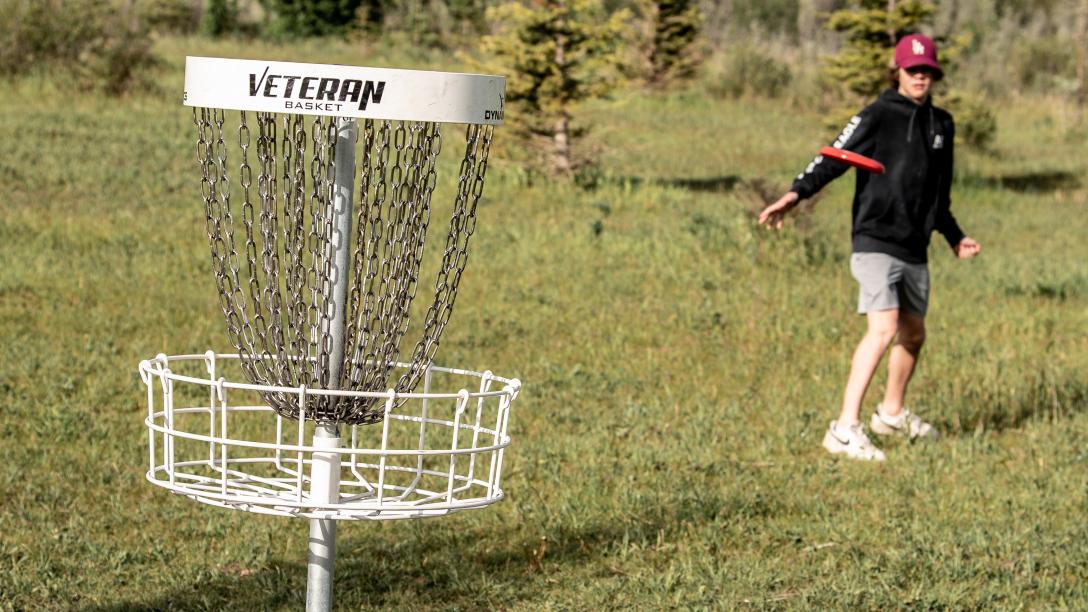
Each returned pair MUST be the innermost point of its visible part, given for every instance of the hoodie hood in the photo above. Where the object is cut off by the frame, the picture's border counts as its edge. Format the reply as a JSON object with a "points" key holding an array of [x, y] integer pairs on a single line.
{"points": [[892, 97]]}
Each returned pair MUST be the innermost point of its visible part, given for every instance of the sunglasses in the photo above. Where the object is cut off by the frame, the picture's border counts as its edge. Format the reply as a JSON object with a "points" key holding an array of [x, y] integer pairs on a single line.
{"points": [[920, 71]]}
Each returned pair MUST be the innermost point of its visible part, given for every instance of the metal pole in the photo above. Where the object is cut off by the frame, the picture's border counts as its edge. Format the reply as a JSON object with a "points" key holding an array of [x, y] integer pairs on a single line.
{"points": [[324, 488], [325, 469], [346, 135]]}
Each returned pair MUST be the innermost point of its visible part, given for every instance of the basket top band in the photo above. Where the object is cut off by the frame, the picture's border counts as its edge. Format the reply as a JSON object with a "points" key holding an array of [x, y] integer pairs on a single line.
{"points": [[344, 91]]}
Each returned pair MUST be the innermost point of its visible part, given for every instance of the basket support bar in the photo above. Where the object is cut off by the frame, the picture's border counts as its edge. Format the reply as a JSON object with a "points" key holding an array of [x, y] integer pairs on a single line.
{"points": [[325, 469], [324, 488]]}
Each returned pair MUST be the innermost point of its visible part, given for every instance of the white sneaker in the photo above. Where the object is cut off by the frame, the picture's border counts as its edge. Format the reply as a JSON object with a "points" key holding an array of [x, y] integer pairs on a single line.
{"points": [[851, 442], [906, 423]]}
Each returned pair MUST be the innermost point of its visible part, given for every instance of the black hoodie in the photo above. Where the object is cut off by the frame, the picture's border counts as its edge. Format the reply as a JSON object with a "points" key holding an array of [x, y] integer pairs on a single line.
{"points": [[895, 212]]}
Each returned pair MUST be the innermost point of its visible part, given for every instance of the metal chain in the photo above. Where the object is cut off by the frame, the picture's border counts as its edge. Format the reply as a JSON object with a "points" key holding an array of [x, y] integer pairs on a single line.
{"points": [[274, 271], [297, 260], [313, 248], [352, 345], [272, 340], [368, 245], [325, 409], [455, 255], [390, 306], [255, 327], [221, 236]]}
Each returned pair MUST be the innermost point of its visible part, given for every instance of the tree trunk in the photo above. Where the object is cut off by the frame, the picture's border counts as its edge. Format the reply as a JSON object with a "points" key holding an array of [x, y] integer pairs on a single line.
{"points": [[891, 28], [561, 162], [1081, 38], [806, 25], [953, 19]]}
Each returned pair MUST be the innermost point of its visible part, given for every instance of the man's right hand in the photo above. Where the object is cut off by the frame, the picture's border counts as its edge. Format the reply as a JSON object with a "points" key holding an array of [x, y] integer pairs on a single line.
{"points": [[775, 214]]}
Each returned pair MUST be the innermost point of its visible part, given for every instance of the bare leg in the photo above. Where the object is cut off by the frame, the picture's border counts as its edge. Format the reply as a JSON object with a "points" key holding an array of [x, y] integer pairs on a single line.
{"points": [[904, 354], [882, 327]]}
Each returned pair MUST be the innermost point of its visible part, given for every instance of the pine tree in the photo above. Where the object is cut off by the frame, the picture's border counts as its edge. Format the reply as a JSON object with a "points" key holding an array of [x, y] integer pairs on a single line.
{"points": [[320, 17], [672, 53], [556, 54], [220, 17], [872, 29]]}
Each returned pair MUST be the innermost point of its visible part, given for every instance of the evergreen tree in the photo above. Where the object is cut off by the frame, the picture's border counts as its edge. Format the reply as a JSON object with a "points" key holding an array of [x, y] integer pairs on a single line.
{"points": [[320, 17], [468, 14], [220, 17], [672, 52], [872, 28], [556, 54]]}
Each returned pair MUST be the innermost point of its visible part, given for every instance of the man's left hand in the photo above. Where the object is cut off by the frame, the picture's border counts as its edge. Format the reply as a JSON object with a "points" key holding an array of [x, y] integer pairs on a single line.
{"points": [[967, 248]]}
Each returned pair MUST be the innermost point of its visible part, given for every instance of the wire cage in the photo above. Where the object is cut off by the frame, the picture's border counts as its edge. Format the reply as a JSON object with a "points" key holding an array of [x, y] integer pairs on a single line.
{"points": [[436, 452]]}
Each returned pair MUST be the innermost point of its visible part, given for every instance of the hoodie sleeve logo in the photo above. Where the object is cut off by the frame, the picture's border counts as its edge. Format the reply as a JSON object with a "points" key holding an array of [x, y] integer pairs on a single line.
{"points": [[839, 143]]}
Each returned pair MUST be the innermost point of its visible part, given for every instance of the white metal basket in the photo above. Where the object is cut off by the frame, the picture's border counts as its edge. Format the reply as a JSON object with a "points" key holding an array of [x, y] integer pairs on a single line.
{"points": [[317, 184], [433, 453]]}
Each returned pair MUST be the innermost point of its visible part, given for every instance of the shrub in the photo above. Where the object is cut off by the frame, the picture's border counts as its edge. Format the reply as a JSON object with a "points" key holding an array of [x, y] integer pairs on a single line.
{"points": [[1044, 62], [220, 17], [468, 14], [750, 71], [446, 24], [976, 125], [426, 23], [671, 46], [180, 16], [319, 17], [777, 16], [103, 44]]}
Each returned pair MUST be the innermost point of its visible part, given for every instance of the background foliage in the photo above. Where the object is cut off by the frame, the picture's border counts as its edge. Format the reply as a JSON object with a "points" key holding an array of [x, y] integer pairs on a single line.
{"points": [[558, 54], [94, 44], [220, 17], [317, 17], [672, 42]]}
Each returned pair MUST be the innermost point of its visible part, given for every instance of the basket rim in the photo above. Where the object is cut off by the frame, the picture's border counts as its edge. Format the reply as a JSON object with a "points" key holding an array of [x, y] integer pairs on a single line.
{"points": [[159, 367], [339, 90]]}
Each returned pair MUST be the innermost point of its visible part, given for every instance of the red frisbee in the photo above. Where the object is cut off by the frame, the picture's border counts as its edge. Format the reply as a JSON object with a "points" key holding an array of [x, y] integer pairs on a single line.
{"points": [[849, 157]]}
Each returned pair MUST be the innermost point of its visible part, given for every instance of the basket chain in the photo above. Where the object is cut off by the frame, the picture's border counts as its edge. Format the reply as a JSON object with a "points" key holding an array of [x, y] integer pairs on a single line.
{"points": [[276, 295]]}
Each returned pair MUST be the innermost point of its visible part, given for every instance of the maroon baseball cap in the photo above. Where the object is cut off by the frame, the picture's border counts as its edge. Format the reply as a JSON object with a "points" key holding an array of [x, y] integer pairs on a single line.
{"points": [[916, 50]]}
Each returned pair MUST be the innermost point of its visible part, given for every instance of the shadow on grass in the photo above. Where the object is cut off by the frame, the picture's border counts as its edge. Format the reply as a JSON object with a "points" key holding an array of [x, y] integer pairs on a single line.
{"points": [[277, 585], [1027, 182], [447, 568], [709, 184]]}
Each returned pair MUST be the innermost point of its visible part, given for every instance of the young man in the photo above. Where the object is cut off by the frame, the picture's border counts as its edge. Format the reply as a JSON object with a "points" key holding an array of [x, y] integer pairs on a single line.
{"points": [[893, 217]]}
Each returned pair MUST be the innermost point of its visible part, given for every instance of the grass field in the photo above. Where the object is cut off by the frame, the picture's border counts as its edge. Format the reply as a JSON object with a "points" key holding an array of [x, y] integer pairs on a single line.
{"points": [[680, 367]]}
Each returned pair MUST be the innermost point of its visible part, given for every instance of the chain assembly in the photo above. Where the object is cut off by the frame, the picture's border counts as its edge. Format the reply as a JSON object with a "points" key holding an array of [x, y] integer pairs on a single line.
{"points": [[270, 251]]}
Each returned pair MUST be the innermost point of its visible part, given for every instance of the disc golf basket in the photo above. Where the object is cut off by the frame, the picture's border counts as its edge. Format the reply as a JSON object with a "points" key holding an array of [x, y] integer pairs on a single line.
{"points": [[317, 183]]}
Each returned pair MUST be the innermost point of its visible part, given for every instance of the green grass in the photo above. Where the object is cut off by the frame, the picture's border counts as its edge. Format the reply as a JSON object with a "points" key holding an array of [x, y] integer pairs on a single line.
{"points": [[680, 366]]}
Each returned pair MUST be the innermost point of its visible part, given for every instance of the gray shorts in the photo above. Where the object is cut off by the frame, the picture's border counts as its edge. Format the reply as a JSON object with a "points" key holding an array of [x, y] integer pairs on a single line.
{"points": [[888, 283]]}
